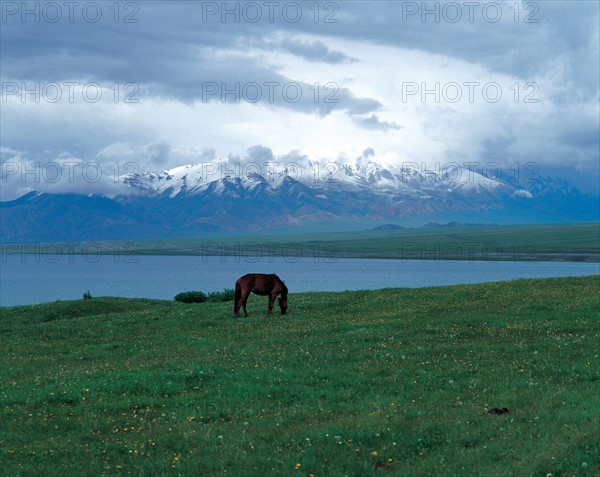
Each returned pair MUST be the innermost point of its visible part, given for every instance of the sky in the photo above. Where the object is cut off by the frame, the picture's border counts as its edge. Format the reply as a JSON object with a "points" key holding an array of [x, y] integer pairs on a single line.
{"points": [[94, 90]]}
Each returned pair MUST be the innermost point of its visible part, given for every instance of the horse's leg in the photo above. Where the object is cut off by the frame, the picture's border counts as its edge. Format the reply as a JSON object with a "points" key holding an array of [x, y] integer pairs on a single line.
{"points": [[238, 296], [245, 295], [241, 302], [272, 297], [238, 304]]}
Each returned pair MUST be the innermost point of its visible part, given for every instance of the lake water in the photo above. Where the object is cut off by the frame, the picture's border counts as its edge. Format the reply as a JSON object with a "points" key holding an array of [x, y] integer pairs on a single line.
{"points": [[28, 279]]}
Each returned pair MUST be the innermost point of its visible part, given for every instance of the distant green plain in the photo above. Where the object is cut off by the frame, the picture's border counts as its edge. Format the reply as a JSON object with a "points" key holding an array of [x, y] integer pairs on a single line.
{"points": [[394, 382], [554, 242]]}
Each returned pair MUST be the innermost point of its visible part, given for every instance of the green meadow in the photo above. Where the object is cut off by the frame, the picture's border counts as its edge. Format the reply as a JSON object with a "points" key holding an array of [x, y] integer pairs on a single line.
{"points": [[497, 379], [549, 242]]}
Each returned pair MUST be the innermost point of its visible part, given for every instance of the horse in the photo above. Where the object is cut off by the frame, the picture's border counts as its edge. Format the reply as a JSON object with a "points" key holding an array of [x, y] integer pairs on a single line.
{"points": [[260, 284]]}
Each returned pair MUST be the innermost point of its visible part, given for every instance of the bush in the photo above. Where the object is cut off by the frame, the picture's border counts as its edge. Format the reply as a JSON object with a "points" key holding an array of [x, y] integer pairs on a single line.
{"points": [[191, 297], [51, 316], [228, 294], [87, 295]]}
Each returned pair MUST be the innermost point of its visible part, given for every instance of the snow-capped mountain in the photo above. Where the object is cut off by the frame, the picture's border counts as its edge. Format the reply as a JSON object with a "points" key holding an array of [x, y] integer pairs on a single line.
{"points": [[225, 197], [362, 175]]}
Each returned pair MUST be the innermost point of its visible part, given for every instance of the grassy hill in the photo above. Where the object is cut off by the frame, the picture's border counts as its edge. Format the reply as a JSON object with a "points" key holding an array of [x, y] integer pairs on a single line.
{"points": [[386, 382]]}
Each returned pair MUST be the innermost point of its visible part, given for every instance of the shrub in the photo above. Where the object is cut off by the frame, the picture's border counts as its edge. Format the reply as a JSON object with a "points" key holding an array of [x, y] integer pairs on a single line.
{"points": [[228, 294], [51, 316], [191, 297], [87, 295]]}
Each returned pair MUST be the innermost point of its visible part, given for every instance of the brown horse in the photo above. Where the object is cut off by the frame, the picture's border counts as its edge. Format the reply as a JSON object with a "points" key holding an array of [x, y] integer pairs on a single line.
{"points": [[260, 284]]}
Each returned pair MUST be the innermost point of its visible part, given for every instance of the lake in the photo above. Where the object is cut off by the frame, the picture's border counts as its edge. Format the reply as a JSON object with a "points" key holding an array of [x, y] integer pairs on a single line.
{"points": [[29, 279]]}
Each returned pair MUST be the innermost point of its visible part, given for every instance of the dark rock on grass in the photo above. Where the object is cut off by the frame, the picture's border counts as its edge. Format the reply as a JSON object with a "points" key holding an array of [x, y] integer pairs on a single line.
{"points": [[382, 465]]}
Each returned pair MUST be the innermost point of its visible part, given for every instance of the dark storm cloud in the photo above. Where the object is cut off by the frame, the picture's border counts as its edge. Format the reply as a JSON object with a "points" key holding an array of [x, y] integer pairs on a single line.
{"points": [[162, 48], [243, 81], [169, 53]]}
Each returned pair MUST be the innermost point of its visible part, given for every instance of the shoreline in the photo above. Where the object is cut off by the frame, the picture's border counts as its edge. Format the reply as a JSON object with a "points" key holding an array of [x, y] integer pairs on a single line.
{"points": [[163, 300]]}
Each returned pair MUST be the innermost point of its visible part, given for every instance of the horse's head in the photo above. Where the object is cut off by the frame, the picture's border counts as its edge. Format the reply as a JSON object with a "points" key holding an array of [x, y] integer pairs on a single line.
{"points": [[283, 304]]}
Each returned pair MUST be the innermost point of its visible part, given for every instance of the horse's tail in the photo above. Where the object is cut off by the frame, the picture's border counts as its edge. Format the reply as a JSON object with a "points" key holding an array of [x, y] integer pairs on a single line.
{"points": [[238, 295]]}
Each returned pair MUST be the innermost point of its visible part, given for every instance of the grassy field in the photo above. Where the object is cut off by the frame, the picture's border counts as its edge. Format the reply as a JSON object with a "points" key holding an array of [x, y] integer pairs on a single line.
{"points": [[371, 383], [554, 242]]}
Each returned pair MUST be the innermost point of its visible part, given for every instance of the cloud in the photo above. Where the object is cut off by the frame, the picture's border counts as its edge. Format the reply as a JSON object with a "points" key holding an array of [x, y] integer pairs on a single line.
{"points": [[171, 55], [315, 51], [259, 154], [246, 83], [159, 153], [373, 122], [523, 193], [64, 175]]}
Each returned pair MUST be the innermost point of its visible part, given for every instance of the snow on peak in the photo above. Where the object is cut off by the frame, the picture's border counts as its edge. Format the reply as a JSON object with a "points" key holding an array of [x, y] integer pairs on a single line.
{"points": [[364, 173]]}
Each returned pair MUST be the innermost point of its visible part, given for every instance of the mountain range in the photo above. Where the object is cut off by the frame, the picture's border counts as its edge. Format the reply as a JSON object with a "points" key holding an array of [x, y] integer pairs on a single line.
{"points": [[221, 198]]}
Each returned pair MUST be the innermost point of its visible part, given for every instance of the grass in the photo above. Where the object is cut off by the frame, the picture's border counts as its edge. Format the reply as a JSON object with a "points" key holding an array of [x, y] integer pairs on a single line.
{"points": [[550, 242], [392, 382]]}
